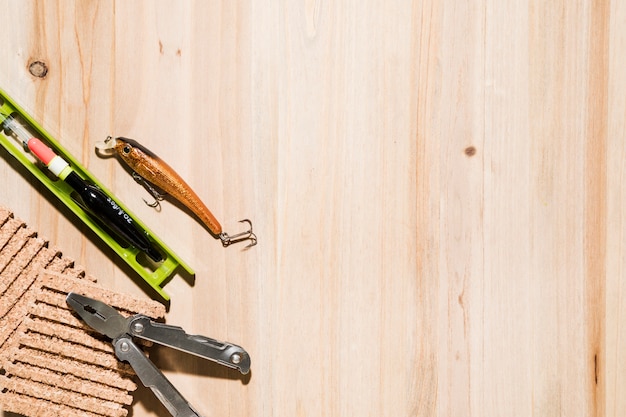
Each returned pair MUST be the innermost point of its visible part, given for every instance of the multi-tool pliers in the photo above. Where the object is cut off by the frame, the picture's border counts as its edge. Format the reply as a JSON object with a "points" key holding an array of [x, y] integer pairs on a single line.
{"points": [[108, 321]]}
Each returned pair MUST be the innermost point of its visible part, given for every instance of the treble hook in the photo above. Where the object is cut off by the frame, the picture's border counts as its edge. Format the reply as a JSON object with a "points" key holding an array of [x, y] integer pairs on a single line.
{"points": [[153, 192], [239, 237]]}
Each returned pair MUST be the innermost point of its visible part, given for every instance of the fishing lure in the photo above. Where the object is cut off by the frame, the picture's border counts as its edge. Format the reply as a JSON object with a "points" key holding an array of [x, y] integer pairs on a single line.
{"points": [[153, 172]]}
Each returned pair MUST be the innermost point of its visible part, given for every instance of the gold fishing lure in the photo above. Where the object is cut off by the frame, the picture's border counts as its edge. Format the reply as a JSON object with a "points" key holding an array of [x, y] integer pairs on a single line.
{"points": [[154, 172]]}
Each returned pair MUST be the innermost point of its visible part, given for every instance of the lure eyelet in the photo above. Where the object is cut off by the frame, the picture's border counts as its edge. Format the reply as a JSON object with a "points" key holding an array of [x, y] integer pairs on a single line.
{"points": [[106, 147]]}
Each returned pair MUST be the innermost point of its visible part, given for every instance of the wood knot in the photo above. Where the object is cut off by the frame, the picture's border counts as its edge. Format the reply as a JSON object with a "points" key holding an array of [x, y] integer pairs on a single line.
{"points": [[38, 69], [470, 151]]}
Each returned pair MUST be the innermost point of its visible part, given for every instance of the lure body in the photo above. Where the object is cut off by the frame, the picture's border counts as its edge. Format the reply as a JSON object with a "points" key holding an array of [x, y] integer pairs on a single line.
{"points": [[155, 171]]}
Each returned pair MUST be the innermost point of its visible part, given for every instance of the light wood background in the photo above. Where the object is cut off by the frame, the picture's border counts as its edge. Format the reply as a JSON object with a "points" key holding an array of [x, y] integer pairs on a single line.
{"points": [[436, 187]]}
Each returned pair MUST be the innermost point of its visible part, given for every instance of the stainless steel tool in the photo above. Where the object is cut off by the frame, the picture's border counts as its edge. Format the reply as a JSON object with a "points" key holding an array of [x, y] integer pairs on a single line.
{"points": [[108, 321]]}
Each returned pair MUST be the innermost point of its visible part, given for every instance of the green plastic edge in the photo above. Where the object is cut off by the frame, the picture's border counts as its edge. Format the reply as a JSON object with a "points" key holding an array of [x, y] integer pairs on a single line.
{"points": [[129, 254]]}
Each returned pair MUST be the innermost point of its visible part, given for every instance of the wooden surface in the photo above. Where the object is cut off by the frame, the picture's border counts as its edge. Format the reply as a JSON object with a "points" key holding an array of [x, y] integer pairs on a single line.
{"points": [[437, 188]]}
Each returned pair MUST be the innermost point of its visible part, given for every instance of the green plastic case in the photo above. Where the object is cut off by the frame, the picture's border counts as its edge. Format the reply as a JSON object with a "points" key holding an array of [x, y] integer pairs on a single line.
{"points": [[157, 277]]}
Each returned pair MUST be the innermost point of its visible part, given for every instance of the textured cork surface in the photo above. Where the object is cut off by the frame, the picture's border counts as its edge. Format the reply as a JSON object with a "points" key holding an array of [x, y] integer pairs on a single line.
{"points": [[51, 362]]}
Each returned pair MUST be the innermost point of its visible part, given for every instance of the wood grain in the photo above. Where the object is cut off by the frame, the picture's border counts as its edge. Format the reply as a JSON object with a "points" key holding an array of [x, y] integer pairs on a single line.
{"points": [[436, 187]]}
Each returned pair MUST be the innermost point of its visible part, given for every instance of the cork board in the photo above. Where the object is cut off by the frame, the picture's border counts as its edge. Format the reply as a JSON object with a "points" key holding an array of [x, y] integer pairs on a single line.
{"points": [[53, 364]]}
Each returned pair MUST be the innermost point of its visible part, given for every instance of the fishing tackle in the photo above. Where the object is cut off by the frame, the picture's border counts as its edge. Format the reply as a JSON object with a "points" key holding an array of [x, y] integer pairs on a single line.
{"points": [[153, 173], [79, 192]]}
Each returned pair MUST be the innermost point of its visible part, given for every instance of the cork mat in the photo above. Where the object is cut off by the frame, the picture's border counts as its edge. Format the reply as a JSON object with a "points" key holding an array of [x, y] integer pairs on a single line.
{"points": [[51, 363]]}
